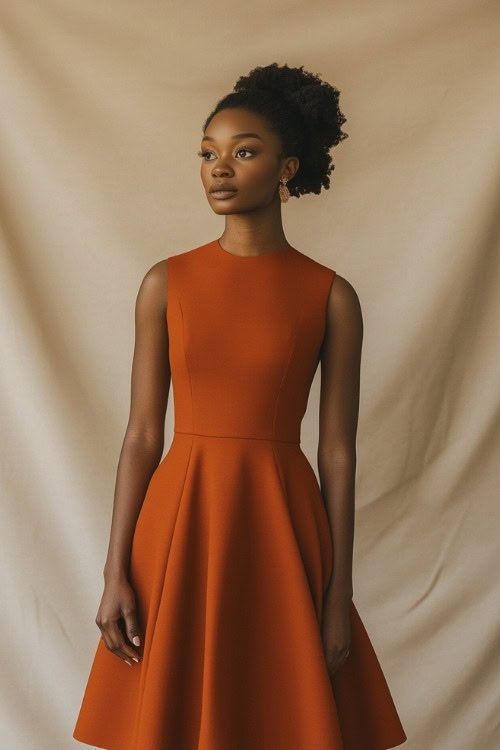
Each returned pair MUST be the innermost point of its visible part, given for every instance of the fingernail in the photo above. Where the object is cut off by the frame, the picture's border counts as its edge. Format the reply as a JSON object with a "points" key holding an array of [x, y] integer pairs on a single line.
{"points": [[137, 660], [136, 641], [128, 662]]}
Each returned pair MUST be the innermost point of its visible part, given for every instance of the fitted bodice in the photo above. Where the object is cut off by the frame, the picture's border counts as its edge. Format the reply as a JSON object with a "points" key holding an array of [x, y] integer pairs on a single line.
{"points": [[250, 331]]}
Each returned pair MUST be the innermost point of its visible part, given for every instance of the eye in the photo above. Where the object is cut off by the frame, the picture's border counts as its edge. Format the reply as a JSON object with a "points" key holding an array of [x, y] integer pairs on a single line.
{"points": [[249, 150], [202, 154]]}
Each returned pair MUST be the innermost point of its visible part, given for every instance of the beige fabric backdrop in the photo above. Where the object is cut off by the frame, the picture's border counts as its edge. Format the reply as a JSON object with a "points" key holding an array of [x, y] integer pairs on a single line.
{"points": [[102, 107]]}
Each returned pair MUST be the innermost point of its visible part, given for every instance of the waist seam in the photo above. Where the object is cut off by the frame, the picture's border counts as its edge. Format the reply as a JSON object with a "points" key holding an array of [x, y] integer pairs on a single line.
{"points": [[238, 437]]}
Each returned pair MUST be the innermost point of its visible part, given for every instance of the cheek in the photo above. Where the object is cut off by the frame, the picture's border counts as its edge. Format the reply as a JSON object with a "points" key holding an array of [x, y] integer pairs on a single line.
{"points": [[206, 176], [258, 176]]}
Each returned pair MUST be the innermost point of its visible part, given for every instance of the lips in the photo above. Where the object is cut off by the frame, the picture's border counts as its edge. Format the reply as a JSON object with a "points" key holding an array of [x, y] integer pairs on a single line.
{"points": [[223, 187]]}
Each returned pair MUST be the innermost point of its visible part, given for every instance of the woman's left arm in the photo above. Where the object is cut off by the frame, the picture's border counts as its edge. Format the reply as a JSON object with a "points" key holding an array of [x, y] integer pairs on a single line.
{"points": [[338, 420]]}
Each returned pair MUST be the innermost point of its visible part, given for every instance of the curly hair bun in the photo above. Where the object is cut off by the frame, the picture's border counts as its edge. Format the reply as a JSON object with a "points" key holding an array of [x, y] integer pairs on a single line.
{"points": [[302, 109], [317, 100]]}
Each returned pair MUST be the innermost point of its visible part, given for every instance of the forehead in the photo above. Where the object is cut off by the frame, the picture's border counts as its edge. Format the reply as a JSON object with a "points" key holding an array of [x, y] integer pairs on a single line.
{"points": [[232, 124]]}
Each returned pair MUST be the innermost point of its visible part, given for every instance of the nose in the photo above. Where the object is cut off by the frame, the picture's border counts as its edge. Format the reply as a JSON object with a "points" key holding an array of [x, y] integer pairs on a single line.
{"points": [[221, 171], [221, 168]]}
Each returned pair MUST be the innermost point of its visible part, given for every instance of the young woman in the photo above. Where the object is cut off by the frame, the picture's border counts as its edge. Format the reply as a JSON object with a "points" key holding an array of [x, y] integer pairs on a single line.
{"points": [[227, 618]]}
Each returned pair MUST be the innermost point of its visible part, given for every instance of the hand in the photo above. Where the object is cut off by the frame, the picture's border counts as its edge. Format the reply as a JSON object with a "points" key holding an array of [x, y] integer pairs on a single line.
{"points": [[118, 604], [336, 633]]}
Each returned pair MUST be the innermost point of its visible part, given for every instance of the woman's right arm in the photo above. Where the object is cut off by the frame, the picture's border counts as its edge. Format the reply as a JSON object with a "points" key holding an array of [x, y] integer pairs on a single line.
{"points": [[140, 455]]}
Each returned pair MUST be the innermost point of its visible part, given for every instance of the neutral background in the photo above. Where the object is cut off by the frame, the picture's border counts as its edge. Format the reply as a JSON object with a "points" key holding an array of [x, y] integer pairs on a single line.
{"points": [[102, 107]]}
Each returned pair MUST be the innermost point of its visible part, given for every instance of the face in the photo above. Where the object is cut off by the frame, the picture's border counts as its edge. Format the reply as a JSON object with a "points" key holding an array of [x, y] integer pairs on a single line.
{"points": [[240, 151]]}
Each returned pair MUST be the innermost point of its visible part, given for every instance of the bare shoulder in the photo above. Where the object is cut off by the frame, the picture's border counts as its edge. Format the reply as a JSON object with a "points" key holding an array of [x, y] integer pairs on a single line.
{"points": [[156, 275], [343, 303], [153, 289]]}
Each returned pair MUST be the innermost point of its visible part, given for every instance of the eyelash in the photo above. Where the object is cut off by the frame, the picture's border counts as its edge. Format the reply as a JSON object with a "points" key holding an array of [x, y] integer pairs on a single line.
{"points": [[242, 148]]}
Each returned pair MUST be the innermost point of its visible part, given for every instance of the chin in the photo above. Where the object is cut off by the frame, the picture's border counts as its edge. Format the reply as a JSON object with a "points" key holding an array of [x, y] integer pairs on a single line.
{"points": [[220, 209]]}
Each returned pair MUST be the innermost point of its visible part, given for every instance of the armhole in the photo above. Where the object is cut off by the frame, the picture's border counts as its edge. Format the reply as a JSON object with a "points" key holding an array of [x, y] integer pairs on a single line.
{"points": [[167, 288], [325, 311], [329, 291], [334, 273]]}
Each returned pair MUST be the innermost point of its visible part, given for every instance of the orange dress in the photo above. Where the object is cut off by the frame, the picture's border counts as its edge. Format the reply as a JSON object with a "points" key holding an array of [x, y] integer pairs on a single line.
{"points": [[232, 550]]}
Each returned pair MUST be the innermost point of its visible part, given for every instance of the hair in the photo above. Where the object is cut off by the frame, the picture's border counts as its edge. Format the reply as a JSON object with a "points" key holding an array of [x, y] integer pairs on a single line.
{"points": [[302, 109]]}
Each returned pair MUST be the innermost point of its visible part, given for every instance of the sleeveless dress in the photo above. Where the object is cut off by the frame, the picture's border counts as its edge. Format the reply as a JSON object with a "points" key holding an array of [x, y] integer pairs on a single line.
{"points": [[232, 551]]}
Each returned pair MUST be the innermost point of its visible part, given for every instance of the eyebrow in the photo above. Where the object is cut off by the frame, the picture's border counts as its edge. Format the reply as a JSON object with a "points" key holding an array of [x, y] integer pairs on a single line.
{"points": [[238, 135]]}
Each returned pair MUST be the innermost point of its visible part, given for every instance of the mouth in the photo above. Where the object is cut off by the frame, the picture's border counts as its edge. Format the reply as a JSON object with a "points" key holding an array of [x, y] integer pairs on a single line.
{"points": [[223, 194]]}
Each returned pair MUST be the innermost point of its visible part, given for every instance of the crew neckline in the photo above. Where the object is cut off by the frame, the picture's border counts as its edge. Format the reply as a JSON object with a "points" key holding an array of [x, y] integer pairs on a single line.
{"points": [[221, 251]]}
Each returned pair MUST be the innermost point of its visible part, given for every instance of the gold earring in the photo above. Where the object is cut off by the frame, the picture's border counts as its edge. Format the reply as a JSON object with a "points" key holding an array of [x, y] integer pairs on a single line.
{"points": [[284, 191]]}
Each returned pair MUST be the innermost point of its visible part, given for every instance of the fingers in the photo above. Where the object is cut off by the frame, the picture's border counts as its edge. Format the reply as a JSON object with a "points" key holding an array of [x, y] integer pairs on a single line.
{"points": [[115, 642], [336, 660], [131, 626]]}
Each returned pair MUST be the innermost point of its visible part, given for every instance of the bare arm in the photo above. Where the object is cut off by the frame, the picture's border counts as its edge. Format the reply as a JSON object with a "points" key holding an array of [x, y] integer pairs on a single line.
{"points": [[338, 421], [144, 437]]}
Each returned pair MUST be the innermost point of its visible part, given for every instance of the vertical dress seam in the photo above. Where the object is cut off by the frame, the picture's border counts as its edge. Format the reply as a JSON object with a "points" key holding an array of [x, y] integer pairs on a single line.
{"points": [[285, 373], [187, 366]]}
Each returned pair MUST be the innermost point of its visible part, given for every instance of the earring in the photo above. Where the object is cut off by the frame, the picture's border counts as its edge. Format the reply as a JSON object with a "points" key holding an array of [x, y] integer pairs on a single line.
{"points": [[284, 191]]}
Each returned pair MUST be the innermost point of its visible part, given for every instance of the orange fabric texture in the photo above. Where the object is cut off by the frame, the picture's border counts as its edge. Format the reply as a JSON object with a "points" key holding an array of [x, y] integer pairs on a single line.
{"points": [[232, 551]]}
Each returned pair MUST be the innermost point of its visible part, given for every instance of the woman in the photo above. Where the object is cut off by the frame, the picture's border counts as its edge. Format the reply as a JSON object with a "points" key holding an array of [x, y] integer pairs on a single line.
{"points": [[228, 580]]}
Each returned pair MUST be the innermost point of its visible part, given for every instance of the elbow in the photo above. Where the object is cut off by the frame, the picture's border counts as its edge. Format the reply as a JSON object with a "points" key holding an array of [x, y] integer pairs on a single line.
{"points": [[147, 438], [343, 456]]}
